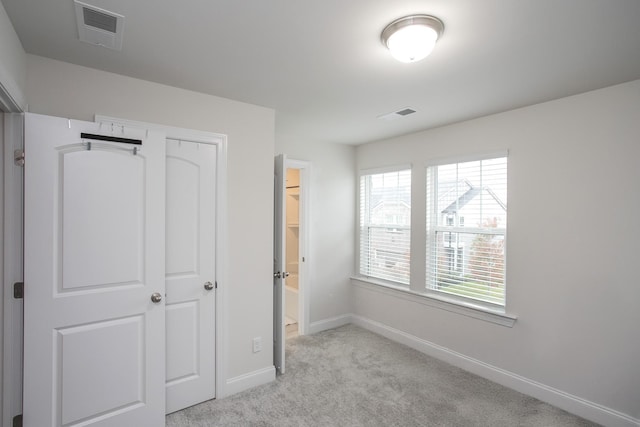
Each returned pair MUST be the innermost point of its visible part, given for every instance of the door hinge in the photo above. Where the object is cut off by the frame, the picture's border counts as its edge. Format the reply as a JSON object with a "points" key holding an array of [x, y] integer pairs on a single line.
{"points": [[18, 290], [17, 421], [18, 157]]}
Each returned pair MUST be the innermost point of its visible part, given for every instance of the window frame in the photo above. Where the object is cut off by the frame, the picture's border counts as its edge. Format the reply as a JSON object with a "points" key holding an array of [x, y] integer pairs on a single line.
{"points": [[359, 226], [431, 231]]}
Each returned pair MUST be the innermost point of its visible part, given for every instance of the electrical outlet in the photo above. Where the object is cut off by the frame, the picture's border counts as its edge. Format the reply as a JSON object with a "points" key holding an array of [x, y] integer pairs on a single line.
{"points": [[257, 344]]}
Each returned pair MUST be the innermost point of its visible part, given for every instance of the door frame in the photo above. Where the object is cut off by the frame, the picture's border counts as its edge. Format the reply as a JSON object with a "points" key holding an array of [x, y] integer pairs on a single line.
{"points": [[12, 104], [304, 292], [220, 141], [13, 327]]}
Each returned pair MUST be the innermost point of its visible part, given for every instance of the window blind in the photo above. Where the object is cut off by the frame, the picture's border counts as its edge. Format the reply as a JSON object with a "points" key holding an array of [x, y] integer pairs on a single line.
{"points": [[466, 229], [385, 225]]}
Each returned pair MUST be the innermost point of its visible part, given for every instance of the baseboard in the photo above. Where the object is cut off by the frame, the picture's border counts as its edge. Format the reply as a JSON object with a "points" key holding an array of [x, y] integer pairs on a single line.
{"points": [[570, 403], [330, 323], [252, 379]]}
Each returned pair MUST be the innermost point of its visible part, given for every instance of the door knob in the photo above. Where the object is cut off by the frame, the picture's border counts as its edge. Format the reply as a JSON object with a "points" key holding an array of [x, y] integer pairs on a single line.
{"points": [[156, 297], [281, 275], [208, 286]]}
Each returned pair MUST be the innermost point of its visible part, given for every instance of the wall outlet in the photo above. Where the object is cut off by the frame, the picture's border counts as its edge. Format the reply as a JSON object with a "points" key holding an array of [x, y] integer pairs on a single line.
{"points": [[257, 344]]}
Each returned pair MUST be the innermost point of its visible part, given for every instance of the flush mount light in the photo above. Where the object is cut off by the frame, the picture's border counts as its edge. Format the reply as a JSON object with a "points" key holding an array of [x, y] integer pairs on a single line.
{"points": [[412, 38]]}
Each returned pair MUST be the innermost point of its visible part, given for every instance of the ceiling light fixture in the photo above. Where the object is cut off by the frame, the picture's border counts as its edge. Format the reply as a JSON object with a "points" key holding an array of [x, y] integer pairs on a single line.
{"points": [[413, 37]]}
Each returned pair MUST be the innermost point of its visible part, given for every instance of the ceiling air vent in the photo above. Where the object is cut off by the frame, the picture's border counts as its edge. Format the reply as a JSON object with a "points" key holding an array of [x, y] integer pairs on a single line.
{"points": [[397, 114], [98, 26], [405, 112]]}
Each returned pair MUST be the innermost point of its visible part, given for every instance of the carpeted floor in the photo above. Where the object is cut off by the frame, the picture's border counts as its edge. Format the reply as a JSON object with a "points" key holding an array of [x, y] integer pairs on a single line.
{"points": [[351, 377]]}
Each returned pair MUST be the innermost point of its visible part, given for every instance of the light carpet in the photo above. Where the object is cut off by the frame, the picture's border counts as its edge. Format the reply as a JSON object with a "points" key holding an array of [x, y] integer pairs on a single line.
{"points": [[349, 376]]}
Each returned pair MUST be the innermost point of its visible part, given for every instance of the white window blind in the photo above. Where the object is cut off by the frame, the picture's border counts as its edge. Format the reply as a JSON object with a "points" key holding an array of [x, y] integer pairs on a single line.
{"points": [[385, 225], [466, 229]]}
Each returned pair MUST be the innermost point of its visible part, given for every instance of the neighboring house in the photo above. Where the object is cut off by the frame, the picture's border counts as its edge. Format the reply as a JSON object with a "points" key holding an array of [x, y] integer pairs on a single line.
{"points": [[396, 212], [390, 242], [463, 208], [389, 233], [465, 205]]}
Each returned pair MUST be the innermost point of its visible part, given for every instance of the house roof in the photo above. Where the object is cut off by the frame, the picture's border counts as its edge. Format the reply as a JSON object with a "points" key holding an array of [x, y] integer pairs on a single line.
{"points": [[471, 193]]}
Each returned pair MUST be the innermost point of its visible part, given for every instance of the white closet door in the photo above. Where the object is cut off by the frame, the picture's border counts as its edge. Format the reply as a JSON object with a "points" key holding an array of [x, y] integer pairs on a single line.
{"points": [[190, 273], [94, 256]]}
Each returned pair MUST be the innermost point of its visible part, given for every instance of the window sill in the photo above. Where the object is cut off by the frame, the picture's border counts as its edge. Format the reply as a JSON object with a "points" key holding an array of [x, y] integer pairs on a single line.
{"points": [[464, 308]]}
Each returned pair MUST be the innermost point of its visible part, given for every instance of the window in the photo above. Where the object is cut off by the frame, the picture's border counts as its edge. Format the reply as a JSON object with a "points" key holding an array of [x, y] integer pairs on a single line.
{"points": [[466, 229], [385, 225]]}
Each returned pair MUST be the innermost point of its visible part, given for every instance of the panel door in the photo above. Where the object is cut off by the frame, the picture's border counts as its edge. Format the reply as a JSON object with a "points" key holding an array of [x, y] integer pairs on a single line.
{"points": [[279, 261], [190, 273], [94, 342]]}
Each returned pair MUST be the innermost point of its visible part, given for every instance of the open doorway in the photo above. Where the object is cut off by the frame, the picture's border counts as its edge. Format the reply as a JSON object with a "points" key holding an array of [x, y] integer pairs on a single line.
{"points": [[292, 253], [297, 292]]}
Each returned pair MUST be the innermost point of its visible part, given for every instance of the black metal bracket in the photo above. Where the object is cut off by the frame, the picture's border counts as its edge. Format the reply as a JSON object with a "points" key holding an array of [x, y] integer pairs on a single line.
{"points": [[110, 138], [18, 290]]}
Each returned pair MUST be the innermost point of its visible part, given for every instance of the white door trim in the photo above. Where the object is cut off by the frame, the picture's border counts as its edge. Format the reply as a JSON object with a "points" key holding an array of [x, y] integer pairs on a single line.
{"points": [[13, 270], [220, 141], [12, 103], [12, 99], [304, 292]]}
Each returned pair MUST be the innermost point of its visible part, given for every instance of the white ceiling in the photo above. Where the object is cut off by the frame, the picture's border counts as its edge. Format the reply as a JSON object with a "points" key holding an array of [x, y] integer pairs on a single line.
{"points": [[320, 63]]}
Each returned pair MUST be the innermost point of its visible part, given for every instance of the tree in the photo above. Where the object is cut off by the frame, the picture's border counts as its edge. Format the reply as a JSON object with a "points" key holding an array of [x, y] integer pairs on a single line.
{"points": [[486, 264]]}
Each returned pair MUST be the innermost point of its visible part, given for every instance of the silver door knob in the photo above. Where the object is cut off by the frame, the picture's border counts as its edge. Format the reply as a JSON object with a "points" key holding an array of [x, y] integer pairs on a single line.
{"points": [[208, 286], [156, 297], [277, 275], [285, 274]]}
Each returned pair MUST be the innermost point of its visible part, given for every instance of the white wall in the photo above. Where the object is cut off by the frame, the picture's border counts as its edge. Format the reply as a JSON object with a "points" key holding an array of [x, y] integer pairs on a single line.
{"points": [[332, 224], [66, 90], [12, 61], [572, 245]]}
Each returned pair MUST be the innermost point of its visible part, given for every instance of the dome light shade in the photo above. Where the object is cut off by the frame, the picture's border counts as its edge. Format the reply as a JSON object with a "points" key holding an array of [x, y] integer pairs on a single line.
{"points": [[412, 38]]}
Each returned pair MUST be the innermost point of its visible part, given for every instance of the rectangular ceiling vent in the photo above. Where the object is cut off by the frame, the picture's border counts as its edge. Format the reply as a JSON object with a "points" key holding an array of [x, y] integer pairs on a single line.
{"points": [[397, 114], [406, 112], [98, 26]]}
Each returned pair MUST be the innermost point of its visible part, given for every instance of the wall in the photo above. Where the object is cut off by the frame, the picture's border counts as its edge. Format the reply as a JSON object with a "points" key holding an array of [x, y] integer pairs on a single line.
{"points": [[332, 226], [572, 248], [66, 90], [12, 64]]}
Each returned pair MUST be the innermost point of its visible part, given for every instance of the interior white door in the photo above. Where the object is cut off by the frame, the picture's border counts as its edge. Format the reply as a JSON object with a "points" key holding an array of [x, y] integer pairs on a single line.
{"points": [[190, 273], [279, 261], [94, 342]]}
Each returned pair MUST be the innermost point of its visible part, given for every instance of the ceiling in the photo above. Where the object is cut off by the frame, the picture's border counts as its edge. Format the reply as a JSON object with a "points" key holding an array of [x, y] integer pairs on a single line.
{"points": [[320, 63]]}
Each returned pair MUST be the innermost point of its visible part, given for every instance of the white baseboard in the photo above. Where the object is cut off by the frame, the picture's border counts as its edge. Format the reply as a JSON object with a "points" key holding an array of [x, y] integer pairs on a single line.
{"points": [[252, 379], [332, 322], [570, 403]]}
